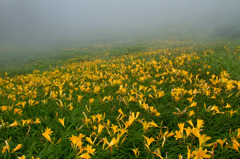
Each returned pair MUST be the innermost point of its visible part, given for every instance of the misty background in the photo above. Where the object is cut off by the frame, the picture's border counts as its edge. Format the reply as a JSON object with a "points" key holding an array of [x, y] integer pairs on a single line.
{"points": [[59, 22]]}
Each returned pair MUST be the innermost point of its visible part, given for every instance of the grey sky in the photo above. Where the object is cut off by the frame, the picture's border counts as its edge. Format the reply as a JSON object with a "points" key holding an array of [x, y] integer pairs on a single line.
{"points": [[42, 20]]}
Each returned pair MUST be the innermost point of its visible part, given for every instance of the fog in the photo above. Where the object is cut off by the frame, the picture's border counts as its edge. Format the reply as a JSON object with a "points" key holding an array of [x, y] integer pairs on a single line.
{"points": [[56, 22]]}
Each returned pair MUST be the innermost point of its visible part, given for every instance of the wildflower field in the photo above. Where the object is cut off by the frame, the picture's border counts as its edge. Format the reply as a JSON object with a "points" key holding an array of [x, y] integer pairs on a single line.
{"points": [[172, 100]]}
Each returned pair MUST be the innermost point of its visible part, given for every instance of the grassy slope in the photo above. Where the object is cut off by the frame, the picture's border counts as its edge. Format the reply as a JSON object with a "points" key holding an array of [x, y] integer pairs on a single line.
{"points": [[113, 65]]}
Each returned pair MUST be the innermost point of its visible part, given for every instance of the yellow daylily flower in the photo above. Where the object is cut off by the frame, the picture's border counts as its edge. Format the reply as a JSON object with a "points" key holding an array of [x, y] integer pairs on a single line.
{"points": [[100, 128], [195, 132], [200, 123], [235, 144], [193, 104], [19, 146], [191, 113], [6, 147], [200, 154], [15, 123], [190, 122], [113, 142], [89, 140], [22, 157], [47, 133], [152, 123], [76, 140], [221, 142], [180, 156], [188, 131], [61, 121], [181, 127], [91, 100], [136, 152], [149, 141], [37, 121], [90, 150], [85, 156], [203, 138]]}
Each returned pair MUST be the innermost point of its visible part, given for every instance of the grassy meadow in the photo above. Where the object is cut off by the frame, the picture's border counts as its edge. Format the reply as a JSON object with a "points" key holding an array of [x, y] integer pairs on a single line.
{"points": [[162, 99]]}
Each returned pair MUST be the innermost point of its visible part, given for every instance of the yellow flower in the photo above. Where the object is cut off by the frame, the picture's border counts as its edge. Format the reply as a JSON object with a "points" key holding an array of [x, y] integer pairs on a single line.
{"points": [[120, 111], [19, 146], [76, 140], [113, 142], [7, 147], [200, 123], [231, 112], [191, 113], [181, 127], [188, 131], [152, 123], [114, 128], [180, 156], [91, 100], [85, 155], [221, 142], [238, 133], [167, 134], [227, 106], [59, 141], [100, 128], [4, 148], [99, 117], [149, 141], [22, 157], [235, 145], [89, 140], [23, 122], [61, 121], [178, 135], [79, 98], [193, 104], [146, 125], [37, 121], [121, 115], [107, 98], [105, 141], [203, 138], [18, 111], [200, 154], [89, 149], [29, 121], [14, 124], [136, 152], [47, 133]]}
